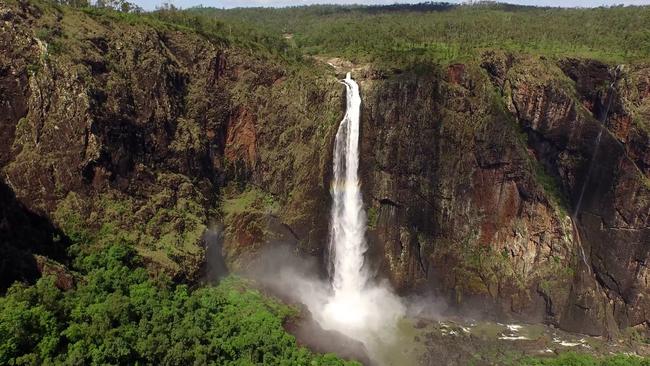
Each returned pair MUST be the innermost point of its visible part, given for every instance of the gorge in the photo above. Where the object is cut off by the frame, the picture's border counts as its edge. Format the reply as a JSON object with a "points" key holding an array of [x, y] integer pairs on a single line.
{"points": [[502, 181]]}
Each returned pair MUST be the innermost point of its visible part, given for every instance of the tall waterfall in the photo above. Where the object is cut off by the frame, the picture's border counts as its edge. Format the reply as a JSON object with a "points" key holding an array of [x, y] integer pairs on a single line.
{"points": [[355, 305], [352, 303], [348, 221]]}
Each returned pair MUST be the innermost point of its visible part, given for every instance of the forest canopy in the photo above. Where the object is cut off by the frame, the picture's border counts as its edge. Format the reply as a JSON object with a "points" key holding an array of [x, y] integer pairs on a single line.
{"points": [[447, 32], [117, 314]]}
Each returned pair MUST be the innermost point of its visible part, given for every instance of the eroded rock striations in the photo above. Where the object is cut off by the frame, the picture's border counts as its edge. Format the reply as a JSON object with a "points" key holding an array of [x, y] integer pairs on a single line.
{"points": [[457, 195], [475, 174]]}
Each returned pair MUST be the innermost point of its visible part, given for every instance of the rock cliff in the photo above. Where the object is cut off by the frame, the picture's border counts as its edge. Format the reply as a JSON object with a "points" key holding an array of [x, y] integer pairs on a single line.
{"points": [[489, 182]]}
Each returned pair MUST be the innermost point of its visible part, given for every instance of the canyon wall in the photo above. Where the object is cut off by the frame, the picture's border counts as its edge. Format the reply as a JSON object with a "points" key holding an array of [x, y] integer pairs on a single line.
{"points": [[474, 173]]}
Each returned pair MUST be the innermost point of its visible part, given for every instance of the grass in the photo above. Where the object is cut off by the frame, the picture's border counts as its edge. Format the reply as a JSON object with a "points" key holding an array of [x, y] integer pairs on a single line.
{"points": [[252, 199]]}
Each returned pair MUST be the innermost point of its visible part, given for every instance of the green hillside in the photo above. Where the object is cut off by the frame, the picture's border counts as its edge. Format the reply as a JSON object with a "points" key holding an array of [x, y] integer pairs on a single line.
{"points": [[444, 32]]}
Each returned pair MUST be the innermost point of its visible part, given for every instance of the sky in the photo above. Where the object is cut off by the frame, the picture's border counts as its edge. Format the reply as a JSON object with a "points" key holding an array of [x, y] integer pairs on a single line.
{"points": [[152, 4]]}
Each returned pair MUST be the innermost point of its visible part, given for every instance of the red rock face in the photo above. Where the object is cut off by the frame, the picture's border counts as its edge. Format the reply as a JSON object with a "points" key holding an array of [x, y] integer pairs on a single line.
{"points": [[124, 133], [500, 201], [241, 138], [465, 185], [456, 203], [463, 205], [621, 127], [614, 213], [455, 73], [145, 121]]}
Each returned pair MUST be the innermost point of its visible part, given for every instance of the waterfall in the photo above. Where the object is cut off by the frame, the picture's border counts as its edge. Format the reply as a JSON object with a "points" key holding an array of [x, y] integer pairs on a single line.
{"points": [[355, 305], [348, 221], [592, 164]]}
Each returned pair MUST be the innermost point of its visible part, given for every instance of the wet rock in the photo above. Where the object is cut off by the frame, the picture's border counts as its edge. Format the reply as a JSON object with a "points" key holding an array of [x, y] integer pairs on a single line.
{"points": [[470, 190]]}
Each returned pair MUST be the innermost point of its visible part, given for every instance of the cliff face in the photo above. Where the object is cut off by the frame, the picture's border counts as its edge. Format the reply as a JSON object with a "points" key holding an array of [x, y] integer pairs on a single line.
{"points": [[457, 198], [141, 132], [103, 143], [475, 177], [119, 131], [605, 177]]}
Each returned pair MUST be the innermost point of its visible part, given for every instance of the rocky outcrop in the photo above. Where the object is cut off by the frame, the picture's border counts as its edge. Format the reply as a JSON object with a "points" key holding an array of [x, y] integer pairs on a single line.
{"points": [[476, 193], [16, 61], [107, 139], [130, 132], [280, 144]]}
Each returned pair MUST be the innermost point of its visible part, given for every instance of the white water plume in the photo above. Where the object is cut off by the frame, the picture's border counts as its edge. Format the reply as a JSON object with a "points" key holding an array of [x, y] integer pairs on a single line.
{"points": [[356, 307], [348, 220]]}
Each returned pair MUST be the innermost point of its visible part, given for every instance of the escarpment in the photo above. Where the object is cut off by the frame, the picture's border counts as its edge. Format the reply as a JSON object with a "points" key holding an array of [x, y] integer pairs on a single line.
{"points": [[475, 173], [563, 108], [471, 173]]}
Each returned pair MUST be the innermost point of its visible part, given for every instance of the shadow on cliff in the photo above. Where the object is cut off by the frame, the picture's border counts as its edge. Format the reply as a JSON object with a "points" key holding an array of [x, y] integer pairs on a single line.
{"points": [[214, 267], [24, 235]]}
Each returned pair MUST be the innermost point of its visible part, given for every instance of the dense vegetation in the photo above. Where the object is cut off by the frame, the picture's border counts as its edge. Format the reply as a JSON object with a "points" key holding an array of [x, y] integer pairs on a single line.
{"points": [[119, 315], [438, 31], [398, 35]]}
